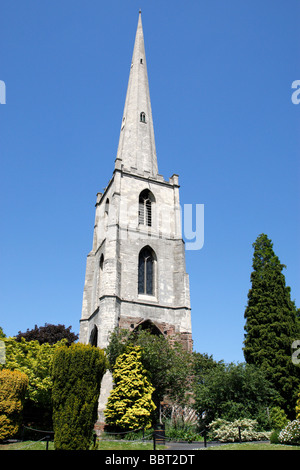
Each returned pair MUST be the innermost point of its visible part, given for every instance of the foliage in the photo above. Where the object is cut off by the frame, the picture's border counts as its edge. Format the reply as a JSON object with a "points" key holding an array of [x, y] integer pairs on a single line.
{"points": [[168, 365], [183, 432], [130, 404], [202, 363], [48, 334], [291, 433], [298, 406], [2, 334], [232, 391], [12, 392], [278, 418], [77, 373], [35, 361], [271, 324], [226, 431]]}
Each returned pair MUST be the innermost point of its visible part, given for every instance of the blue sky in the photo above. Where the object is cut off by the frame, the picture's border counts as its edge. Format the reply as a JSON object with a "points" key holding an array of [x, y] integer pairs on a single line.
{"points": [[220, 76]]}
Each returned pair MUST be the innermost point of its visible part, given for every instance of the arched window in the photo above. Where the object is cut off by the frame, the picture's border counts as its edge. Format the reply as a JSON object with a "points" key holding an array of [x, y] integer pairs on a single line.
{"points": [[146, 200], [94, 336], [101, 262], [106, 206], [146, 270], [143, 117]]}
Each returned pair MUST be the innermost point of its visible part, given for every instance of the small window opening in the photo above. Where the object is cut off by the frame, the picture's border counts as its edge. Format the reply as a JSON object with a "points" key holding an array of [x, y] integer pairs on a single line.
{"points": [[101, 262], [94, 337], [141, 61], [107, 206], [143, 117]]}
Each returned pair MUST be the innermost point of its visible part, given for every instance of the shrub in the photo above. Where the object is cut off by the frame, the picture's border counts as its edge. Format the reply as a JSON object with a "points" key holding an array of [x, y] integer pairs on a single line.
{"points": [[278, 418], [291, 433], [77, 373], [34, 360], [129, 404], [298, 407], [13, 385], [185, 432], [226, 431], [274, 438]]}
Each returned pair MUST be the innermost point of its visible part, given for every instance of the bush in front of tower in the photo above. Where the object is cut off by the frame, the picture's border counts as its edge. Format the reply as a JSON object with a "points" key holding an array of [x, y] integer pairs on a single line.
{"points": [[77, 374], [130, 405]]}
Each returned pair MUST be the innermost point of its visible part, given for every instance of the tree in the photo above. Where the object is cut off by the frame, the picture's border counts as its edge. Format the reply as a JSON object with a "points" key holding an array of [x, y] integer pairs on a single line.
{"points": [[35, 360], [231, 392], [130, 404], [271, 324], [12, 393], [168, 364], [48, 334], [2, 334], [77, 373], [298, 406]]}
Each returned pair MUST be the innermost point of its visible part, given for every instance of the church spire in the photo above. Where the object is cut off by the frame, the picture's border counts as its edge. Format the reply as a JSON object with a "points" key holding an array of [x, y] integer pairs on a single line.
{"points": [[136, 151]]}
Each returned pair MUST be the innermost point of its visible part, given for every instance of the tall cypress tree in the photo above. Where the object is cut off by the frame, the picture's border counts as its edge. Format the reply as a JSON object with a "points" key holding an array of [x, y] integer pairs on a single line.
{"points": [[271, 324]]}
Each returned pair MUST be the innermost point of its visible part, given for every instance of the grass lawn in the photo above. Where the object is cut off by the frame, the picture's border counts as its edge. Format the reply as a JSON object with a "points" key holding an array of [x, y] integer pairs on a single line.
{"points": [[103, 445], [253, 446]]}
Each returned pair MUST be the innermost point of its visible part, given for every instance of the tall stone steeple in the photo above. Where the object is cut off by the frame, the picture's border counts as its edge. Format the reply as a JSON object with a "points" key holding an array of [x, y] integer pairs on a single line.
{"points": [[136, 150], [135, 273]]}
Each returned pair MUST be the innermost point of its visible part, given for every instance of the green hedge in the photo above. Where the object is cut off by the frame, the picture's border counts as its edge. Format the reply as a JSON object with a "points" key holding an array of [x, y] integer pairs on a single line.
{"points": [[77, 372]]}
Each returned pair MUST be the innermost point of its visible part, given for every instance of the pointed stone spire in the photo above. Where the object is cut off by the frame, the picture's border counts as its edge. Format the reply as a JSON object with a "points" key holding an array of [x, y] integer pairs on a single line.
{"points": [[136, 151]]}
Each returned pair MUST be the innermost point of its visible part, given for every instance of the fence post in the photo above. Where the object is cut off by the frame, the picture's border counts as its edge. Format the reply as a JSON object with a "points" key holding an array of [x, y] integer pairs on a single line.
{"points": [[154, 446], [204, 435], [240, 436], [47, 442]]}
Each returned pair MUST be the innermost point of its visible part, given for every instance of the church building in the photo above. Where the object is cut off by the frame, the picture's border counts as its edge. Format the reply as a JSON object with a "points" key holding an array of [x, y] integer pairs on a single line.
{"points": [[135, 272]]}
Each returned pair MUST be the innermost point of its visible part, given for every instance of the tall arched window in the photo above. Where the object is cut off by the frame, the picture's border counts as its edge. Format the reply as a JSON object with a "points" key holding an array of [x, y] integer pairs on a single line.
{"points": [[143, 117], [146, 200], [146, 271], [94, 336]]}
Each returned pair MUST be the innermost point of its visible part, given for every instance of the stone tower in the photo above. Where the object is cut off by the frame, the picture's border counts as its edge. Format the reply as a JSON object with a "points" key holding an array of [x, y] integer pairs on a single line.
{"points": [[135, 273]]}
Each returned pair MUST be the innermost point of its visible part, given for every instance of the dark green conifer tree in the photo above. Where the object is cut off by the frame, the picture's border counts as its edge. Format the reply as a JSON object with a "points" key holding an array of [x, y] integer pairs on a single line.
{"points": [[271, 324]]}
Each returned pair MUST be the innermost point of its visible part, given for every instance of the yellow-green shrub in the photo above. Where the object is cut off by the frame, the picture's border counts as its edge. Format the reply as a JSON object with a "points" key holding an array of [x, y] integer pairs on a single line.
{"points": [[13, 386], [130, 404], [298, 407]]}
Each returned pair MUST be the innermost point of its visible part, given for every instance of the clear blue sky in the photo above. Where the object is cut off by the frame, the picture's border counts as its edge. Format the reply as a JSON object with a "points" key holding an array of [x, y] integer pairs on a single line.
{"points": [[220, 77]]}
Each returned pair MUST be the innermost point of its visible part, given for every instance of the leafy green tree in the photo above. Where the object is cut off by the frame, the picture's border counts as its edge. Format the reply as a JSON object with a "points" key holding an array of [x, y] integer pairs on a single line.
{"points": [[168, 364], [203, 363], [231, 392], [35, 360], [77, 373], [130, 404], [271, 324], [48, 334]]}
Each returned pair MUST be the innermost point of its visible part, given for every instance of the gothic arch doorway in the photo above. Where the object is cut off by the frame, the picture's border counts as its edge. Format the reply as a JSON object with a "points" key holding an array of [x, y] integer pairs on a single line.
{"points": [[148, 325]]}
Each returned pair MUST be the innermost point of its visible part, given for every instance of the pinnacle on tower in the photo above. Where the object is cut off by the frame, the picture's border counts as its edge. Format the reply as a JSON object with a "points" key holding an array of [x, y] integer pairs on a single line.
{"points": [[136, 151]]}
